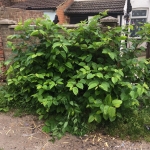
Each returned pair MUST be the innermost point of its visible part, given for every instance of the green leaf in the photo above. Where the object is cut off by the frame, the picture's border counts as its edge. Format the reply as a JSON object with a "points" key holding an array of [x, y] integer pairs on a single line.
{"points": [[87, 68], [88, 58], [39, 76], [105, 116], [75, 90], [42, 32], [112, 119], [106, 51], [61, 69], [79, 85], [65, 124], [46, 129], [94, 66], [121, 73], [65, 48], [112, 55], [98, 118], [37, 54], [105, 109], [39, 86], [91, 118], [90, 76], [112, 112], [100, 75], [83, 81], [104, 86], [52, 84], [57, 44], [49, 103], [35, 32], [116, 103], [133, 94], [108, 100], [69, 65], [140, 90], [124, 96], [70, 84], [83, 46], [45, 87], [91, 99], [93, 84], [82, 64], [114, 79], [63, 54]]}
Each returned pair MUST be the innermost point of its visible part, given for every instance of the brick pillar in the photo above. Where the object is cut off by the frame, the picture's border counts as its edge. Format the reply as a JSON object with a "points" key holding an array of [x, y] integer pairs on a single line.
{"points": [[60, 11], [2, 58], [4, 32]]}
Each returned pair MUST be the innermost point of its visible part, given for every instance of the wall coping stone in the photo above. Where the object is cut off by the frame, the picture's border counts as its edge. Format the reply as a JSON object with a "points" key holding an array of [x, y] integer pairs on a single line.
{"points": [[7, 21], [12, 26], [109, 19], [70, 26]]}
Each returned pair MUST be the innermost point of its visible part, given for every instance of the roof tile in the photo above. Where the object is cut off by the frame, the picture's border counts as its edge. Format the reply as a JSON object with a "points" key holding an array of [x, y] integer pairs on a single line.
{"points": [[84, 7], [38, 4]]}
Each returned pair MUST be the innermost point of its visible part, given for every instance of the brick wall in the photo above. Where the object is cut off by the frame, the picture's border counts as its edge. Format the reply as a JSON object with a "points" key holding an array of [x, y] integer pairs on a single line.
{"points": [[18, 14], [8, 3], [60, 11], [5, 3], [17, 0], [2, 67]]}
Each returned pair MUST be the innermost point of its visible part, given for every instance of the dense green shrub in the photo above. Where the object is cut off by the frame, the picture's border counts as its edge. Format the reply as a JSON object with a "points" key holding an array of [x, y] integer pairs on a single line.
{"points": [[75, 78]]}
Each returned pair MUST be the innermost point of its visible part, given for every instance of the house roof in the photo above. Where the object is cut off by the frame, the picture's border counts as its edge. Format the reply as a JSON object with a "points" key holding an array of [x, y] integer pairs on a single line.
{"points": [[94, 7], [38, 4]]}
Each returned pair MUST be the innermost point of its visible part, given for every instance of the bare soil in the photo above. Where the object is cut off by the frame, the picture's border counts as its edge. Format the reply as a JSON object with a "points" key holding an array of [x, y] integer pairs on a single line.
{"points": [[24, 133]]}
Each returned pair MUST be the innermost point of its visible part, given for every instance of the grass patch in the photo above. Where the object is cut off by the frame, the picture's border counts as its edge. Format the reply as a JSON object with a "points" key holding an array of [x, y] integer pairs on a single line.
{"points": [[3, 101], [133, 126]]}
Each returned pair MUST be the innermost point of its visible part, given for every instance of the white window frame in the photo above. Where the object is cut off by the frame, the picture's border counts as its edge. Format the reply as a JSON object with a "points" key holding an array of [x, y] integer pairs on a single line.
{"points": [[139, 17]]}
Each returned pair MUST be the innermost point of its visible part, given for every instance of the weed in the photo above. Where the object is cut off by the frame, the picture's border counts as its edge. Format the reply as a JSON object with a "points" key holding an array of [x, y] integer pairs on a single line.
{"points": [[133, 126], [77, 77], [3, 100]]}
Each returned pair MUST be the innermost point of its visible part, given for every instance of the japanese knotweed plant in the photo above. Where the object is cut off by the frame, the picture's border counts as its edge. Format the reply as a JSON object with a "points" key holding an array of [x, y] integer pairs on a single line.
{"points": [[74, 78]]}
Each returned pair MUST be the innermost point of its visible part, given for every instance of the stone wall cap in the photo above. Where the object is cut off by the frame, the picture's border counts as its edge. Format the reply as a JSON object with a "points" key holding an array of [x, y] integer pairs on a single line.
{"points": [[12, 26], [7, 21], [70, 26], [109, 19]]}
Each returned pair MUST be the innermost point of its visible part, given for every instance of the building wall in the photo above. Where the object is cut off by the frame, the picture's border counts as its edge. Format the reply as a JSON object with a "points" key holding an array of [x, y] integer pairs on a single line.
{"points": [[139, 4], [142, 4], [5, 3]]}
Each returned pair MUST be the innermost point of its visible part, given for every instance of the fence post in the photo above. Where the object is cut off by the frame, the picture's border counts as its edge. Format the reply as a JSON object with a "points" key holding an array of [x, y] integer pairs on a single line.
{"points": [[148, 50], [109, 21]]}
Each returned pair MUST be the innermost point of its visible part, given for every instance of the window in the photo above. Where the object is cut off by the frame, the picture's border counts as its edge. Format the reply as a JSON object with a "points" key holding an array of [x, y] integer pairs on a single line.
{"points": [[138, 18], [51, 14]]}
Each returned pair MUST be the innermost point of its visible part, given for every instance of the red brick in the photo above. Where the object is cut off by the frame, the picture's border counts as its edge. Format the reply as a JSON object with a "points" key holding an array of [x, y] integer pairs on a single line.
{"points": [[1, 52], [2, 59], [60, 11]]}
